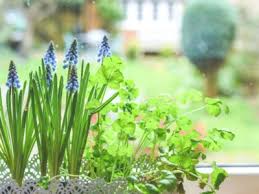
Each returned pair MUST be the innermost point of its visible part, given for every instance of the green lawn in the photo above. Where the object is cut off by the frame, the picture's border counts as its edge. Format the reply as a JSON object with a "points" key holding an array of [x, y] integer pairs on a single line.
{"points": [[155, 76]]}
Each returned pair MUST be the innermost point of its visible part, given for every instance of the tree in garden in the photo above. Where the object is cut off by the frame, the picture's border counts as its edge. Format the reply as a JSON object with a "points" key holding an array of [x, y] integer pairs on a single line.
{"points": [[207, 34], [110, 14], [37, 11]]}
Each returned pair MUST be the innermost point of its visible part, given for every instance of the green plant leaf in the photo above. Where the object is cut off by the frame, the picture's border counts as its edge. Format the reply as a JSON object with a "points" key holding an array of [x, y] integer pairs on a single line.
{"points": [[218, 176], [213, 110], [204, 180], [184, 123], [208, 192], [110, 73], [132, 179], [224, 134], [93, 104], [169, 184], [152, 189]]}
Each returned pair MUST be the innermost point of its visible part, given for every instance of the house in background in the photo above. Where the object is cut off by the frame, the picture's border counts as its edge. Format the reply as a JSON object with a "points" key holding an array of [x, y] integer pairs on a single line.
{"points": [[152, 24], [156, 24]]}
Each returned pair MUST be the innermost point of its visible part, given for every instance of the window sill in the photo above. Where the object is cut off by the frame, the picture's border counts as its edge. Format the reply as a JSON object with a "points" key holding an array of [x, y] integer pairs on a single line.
{"points": [[242, 179], [233, 169]]}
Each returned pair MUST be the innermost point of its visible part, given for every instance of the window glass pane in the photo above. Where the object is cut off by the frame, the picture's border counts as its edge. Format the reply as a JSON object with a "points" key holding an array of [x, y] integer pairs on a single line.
{"points": [[147, 11], [168, 47], [163, 11]]}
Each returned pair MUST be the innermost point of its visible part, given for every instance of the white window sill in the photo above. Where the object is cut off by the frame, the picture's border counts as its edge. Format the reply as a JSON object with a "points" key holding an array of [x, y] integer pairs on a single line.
{"points": [[243, 179], [233, 169]]}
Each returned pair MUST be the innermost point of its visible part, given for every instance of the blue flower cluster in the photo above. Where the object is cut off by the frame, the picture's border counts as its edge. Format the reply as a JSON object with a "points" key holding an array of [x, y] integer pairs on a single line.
{"points": [[49, 75], [71, 57], [104, 50], [50, 62], [72, 84], [13, 79], [50, 57]]}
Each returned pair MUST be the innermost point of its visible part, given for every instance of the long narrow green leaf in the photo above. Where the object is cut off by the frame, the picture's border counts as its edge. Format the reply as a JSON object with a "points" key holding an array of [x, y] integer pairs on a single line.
{"points": [[98, 109]]}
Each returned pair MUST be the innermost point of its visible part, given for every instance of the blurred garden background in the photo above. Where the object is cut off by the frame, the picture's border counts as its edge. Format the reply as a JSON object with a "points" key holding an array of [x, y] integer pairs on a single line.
{"points": [[147, 34]]}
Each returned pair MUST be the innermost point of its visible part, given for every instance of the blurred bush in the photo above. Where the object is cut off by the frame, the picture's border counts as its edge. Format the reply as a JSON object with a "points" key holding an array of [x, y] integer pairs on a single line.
{"points": [[132, 51], [208, 32], [110, 13], [55, 29], [71, 3], [240, 74], [229, 83], [166, 51], [66, 19]]}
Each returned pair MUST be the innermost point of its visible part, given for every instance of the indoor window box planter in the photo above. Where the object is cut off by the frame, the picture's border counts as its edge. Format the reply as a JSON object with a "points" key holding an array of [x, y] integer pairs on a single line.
{"points": [[90, 142]]}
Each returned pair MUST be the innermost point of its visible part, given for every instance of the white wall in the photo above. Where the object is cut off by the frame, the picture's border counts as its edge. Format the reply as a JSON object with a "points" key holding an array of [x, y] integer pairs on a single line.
{"points": [[155, 34]]}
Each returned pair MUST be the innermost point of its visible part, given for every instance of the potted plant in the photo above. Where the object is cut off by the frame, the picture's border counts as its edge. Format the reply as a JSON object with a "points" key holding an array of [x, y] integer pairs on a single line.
{"points": [[92, 135]]}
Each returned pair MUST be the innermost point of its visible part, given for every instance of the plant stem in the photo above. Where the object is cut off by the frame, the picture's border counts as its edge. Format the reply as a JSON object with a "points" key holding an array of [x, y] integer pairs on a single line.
{"points": [[154, 148], [193, 111], [141, 142]]}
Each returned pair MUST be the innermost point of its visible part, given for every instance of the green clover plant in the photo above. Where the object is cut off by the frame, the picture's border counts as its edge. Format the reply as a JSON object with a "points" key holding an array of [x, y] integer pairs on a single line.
{"points": [[154, 143]]}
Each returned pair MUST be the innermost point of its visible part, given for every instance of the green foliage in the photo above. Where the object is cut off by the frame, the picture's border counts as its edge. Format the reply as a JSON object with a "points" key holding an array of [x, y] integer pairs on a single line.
{"points": [[63, 3], [208, 31], [152, 143], [91, 96], [166, 51], [215, 106], [110, 13], [240, 71], [52, 126], [17, 135], [218, 176], [110, 73], [132, 51], [70, 3]]}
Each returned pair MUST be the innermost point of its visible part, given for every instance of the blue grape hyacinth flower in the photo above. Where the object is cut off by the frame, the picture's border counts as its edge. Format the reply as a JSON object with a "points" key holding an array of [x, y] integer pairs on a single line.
{"points": [[104, 50], [50, 57], [49, 75], [13, 79], [71, 57], [72, 84]]}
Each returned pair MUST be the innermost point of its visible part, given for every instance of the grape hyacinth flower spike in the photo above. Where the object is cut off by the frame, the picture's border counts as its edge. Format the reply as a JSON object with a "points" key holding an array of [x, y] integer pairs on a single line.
{"points": [[50, 57], [13, 79], [49, 75], [72, 84], [71, 57], [104, 50]]}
